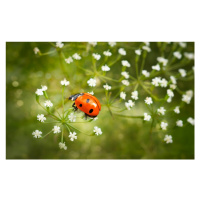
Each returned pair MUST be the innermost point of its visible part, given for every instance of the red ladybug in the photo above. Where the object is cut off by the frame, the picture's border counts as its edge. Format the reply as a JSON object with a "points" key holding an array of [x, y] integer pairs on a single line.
{"points": [[87, 103]]}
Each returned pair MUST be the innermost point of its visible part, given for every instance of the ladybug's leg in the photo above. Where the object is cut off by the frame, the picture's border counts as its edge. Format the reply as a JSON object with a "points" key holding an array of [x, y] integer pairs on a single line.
{"points": [[74, 106]]}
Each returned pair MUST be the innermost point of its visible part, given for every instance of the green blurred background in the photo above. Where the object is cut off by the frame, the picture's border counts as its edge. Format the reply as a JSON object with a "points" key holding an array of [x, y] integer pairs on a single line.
{"points": [[122, 138]]}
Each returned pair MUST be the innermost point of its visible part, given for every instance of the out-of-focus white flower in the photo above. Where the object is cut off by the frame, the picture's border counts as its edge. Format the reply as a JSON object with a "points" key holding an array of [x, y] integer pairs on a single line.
{"points": [[62, 145], [39, 92], [48, 103], [162, 60], [69, 60], [44, 87], [170, 93], [72, 117], [147, 43], [92, 82], [183, 44], [107, 87], [129, 104], [168, 139], [112, 44], [163, 125], [56, 129], [125, 74], [64, 82], [176, 110], [161, 110], [179, 123], [148, 100], [187, 96], [72, 136], [163, 82], [156, 67], [123, 95], [92, 93], [125, 82], [177, 54], [145, 73], [105, 68], [169, 99], [96, 56], [183, 72], [122, 51], [173, 79], [190, 120], [107, 53], [189, 56], [172, 86], [93, 43], [156, 81], [76, 56], [37, 134], [36, 50], [125, 63], [41, 117], [146, 48], [134, 95], [147, 117], [59, 44], [97, 130], [138, 52]]}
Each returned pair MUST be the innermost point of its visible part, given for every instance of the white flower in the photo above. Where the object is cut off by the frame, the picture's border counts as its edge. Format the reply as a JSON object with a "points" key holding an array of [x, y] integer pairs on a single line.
{"points": [[189, 56], [44, 87], [168, 139], [177, 54], [112, 44], [147, 117], [123, 95], [172, 86], [156, 67], [64, 82], [173, 79], [134, 95], [162, 60], [145, 73], [92, 82], [129, 104], [138, 52], [105, 68], [179, 123], [76, 56], [147, 43], [93, 43], [72, 136], [169, 99], [72, 117], [125, 63], [170, 93], [37, 134], [183, 44], [163, 83], [176, 110], [92, 93], [39, 92], [125, 74], [148, 100], [146, 48], [36, 50], [163, 125], [107, 53], [97, 130], [183, 72], [190, 120], [56, 129], [122, 51], [69, 60], [125, 82], [48, 103], [41, 118], [62, 145], [96, 56], [187, 96], [156, 81], [107, 87], [59, 44], [161, 110]]}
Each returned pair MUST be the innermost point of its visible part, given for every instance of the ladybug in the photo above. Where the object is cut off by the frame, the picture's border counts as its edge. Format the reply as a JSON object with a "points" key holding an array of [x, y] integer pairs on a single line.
{"points": [[87, 103]]}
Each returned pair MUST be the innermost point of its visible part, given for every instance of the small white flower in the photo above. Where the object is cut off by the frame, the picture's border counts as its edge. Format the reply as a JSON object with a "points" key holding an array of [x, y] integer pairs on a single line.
{"points": [[163, 125], [156, 81], [172, 86], [48, 103], [163, 82], [156, 67], [177, 54], [96, 56], [97, 130], [148, 100], [36, 50], [92, 82], [190, 120], [72, 117], [145, 73], [107, 53], [138, 52], [107, 87], [56, 129], [92, 93], [122, 51], [161, 110], [168, 139], [162, 60], [125, 82], [39, 92], [129, 104], [147, 43], [44, 87], [173, 79], [125, 63], [59, 44], [123, 95], [64, 82], [179, 123], [37, 134], [112, 44], [69, 60], [189, 93], [147, 117], [93, 43], [176, 110], [169, 99], [134, 95], [170, 93], [105, 68], [183, 44], [62, 145], [146, 48], [76, 56], [125, 74], [189, 56], [41, 118], [183, 72], [72, 136], [186, 98]]}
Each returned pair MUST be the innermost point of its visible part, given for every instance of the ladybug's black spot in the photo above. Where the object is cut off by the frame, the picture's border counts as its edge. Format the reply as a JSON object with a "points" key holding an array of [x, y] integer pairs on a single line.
{"points": [[91, 110], [87, 101], [80, 105]]}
